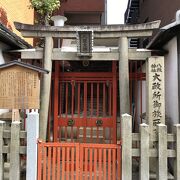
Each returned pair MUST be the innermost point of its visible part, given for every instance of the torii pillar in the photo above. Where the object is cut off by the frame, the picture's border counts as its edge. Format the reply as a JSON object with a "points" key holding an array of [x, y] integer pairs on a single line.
{"points": [[124, 76], [45, 88]]}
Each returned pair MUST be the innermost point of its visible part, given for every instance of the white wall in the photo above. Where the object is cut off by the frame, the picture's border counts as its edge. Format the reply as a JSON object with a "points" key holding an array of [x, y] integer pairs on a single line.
{"points": [[171, 81]]}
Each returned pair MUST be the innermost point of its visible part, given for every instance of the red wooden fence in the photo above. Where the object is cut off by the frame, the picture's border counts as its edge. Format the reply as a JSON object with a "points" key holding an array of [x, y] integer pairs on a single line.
{"points": [[75, 161]]}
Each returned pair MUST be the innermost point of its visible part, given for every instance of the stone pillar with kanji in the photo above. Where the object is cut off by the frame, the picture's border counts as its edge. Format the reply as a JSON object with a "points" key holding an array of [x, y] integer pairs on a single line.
{"points": [[155, 93]]}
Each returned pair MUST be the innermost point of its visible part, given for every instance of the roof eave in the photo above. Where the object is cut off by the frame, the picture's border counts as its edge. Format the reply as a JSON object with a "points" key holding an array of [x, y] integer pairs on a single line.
{"points": [[165, 34], [29, 66]]}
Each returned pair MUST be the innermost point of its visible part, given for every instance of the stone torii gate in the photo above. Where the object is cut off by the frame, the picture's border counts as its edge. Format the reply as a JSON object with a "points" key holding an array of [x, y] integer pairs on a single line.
{"points": [[123, 55]]}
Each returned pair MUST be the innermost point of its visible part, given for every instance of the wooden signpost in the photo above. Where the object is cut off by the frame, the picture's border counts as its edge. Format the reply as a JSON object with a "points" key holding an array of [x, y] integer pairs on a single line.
{"points": [[19, 87]]}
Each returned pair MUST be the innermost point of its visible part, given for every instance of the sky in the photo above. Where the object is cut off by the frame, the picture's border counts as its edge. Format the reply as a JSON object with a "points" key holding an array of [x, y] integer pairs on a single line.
{"points": [[115, 11]]}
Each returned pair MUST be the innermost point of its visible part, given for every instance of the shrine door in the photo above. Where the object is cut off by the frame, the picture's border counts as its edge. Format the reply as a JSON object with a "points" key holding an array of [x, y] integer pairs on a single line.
{"points": [[85, 105]]}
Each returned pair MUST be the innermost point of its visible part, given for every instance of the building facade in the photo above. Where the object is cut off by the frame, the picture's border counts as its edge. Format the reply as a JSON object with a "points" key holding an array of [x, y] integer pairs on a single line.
{"points": [[12, 10], [166, 39], [141, 11], [83, 11], [10, 38]]}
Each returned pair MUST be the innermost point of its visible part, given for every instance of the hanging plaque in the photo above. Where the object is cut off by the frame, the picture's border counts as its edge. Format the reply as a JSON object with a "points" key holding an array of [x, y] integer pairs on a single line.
{"points": [[84, 43]]}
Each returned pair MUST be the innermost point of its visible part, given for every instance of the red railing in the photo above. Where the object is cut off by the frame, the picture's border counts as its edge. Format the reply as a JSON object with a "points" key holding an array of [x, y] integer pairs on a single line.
{"points": [[75, 161]]}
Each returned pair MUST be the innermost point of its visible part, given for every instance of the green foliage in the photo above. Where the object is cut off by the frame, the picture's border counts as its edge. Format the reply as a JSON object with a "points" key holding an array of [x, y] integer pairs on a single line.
{"points": [[45, 8]]}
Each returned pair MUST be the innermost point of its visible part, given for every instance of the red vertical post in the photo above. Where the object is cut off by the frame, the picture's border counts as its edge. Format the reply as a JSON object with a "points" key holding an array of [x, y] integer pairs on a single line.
{"points": [[104, 163], [44, 163], [77, 160], [60, 106], [86, 163], [58, 162], [114, 164], [39, 161], [141, 88], [81, 158], [79, 107], [67, 99], [72, 100], [136, 97], [100, 163], [114, 71], [63, 163], [97, 114], [95, 164], [49, 117], [109, 164], [110, 99], [85, 111], [72, 163], [131, 87], [67, 91], [73, 108], [56, 89], [119, 154], [54, 164], [90, 162], [49, 163], [67, 163], [104, 99], [92, 97], [79, 91]]}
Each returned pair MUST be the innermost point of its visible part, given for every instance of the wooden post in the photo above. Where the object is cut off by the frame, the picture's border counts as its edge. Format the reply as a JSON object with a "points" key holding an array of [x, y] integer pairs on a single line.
{"points": [[162, 152], [56, 100], [1, 150], [124, 76], [126, 147], [32, 137], [177, 159], [14, 151], [15, 115], [45, 88], [144, 152]]}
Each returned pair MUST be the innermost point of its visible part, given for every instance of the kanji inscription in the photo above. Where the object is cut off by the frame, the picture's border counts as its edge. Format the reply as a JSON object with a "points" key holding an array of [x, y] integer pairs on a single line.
{"points": [[155, 89], [19, 88]]}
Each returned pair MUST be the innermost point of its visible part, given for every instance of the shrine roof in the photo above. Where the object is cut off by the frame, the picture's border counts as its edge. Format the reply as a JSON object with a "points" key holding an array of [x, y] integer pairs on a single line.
{"points": [[25, 65], [164, 35]]}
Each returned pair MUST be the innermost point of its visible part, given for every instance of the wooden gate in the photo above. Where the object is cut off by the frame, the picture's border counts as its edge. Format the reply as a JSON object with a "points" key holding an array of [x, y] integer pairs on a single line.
{"points": [[76, 161], [85, 106]]}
